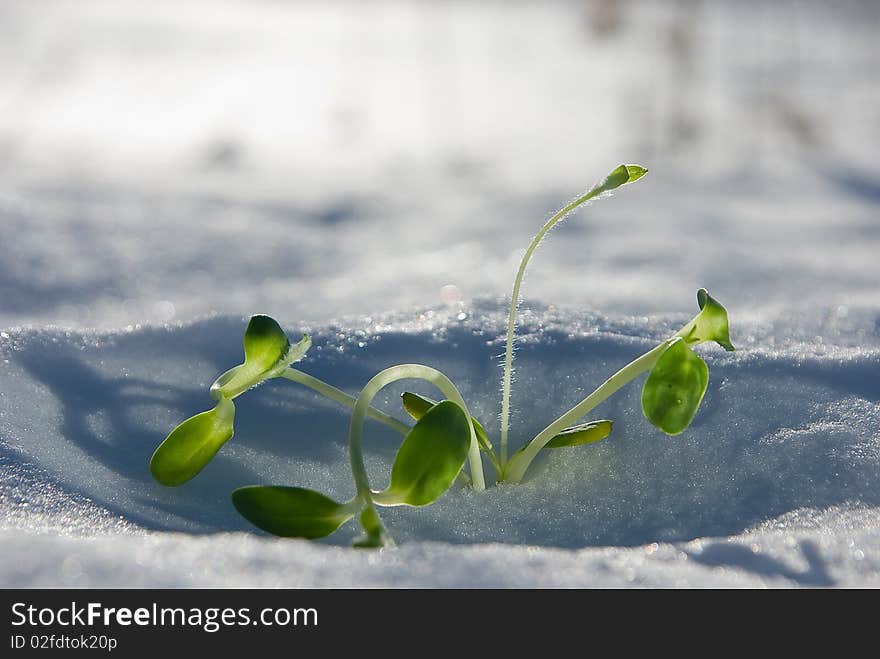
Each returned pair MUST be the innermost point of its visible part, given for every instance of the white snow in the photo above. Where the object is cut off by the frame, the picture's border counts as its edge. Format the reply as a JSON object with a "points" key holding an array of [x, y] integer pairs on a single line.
{"points": [[369, 173], [830, 549], [781, 460]]}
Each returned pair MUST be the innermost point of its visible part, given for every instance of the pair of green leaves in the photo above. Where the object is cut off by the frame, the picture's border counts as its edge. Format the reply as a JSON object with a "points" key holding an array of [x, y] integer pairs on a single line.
{"points": [[583, 433], [192, 444], [267, 353], [677, 383], [427, 463], [429, 460]]}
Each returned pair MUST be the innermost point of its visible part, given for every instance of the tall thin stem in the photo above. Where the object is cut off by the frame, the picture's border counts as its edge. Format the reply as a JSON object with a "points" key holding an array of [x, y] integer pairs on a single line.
{"points": [[619, 176], [511, 318]]}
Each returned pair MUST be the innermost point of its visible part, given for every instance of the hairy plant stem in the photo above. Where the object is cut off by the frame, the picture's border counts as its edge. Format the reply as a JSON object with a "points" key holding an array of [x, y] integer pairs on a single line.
{"points": [[520, 462], [514, 303]]}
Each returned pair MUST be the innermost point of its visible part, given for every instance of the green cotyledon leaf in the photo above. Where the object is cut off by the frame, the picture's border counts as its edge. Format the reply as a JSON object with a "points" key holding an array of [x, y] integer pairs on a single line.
{"points": [[583, 433], [267, 352], [674, 388], [430, 458], [620, 175], [710, 324], [192, 444], [417, 405], [292, 512]]}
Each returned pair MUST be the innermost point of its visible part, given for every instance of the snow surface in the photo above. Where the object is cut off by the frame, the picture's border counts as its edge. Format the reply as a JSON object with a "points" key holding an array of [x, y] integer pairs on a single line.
{"points": [[775, 482], [166, 171]]}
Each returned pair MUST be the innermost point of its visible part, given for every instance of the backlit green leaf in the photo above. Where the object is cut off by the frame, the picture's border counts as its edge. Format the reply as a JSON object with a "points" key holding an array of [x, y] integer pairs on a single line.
{"points": [[429, 459], [417, 405], [635, 172], [675, 388], [709, 325], [267, 352], [583, 433], [291, 512], [192, 444], [619, 176]]}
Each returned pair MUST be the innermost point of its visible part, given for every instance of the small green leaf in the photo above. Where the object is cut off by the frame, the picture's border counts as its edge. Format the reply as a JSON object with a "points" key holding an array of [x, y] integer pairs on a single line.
{"points": [[417, 405], [583, 433], [635, 172], [429, 459], [675, 388], [709, 325], [619, 176], [192, 444], [291, 512], [267, 352]]}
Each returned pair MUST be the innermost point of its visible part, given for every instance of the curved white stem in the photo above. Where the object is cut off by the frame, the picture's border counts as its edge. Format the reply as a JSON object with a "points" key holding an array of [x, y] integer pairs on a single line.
{"points": [[362, 405]]}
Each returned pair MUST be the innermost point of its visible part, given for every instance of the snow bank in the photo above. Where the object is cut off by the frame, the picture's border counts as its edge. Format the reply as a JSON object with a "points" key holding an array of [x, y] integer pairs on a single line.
{"points": [[832, 548]]}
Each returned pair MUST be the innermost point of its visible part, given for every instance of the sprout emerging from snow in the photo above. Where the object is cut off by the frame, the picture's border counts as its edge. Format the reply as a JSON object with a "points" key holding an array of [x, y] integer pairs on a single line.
{"points": [[445, 436]]}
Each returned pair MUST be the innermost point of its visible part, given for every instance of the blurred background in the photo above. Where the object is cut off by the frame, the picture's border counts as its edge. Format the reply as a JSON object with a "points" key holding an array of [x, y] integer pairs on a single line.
{"points": [[163, 160]]}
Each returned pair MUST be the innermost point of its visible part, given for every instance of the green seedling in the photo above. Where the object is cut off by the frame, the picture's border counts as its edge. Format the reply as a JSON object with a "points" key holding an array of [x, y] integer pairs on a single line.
{"points": [[446, 444]]}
